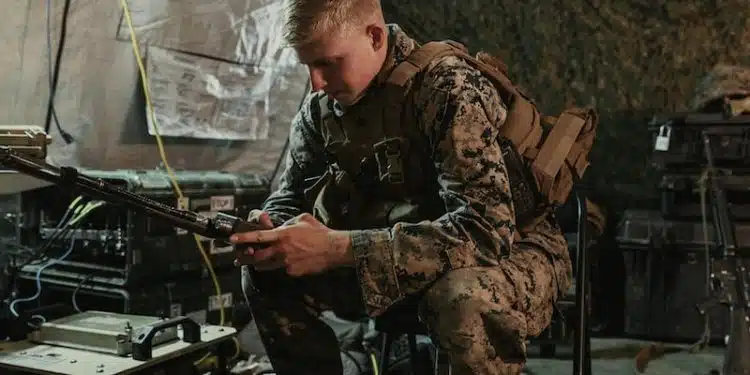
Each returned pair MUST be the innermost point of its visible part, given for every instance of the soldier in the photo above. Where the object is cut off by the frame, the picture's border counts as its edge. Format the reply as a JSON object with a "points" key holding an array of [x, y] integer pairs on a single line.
{"points": [[367, 215]]}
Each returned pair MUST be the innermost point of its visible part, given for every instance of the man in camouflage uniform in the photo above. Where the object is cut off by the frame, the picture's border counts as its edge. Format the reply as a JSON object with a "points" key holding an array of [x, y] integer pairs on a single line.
{"points": [[450, 240]]}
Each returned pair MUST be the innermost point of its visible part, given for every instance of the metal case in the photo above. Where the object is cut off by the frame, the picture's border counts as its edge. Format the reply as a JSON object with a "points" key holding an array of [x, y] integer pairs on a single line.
{"points": [[100, 332], [666, 276]]}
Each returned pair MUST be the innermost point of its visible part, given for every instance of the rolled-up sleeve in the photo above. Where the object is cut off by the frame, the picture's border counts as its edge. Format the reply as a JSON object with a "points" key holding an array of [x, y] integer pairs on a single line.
{"points": [[458, 112]]}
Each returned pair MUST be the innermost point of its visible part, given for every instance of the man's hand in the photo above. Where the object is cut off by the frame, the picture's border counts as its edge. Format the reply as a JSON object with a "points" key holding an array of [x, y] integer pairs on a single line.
{"points": [[303, 246], [259, 219]]}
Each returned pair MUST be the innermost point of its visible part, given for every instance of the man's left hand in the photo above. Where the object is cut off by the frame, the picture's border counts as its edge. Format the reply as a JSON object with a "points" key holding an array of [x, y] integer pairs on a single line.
{"points": [[303, 246]]}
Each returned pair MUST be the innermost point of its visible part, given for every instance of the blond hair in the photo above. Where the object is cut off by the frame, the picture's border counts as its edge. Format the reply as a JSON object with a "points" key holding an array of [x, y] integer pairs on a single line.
{"points": [[308, 19]]}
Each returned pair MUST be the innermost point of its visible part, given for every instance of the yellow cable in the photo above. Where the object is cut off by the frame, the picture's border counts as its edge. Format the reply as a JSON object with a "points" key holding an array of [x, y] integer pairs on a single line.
{"points": [[234, 356], [162, 153], [374, 362], [85, 211]]}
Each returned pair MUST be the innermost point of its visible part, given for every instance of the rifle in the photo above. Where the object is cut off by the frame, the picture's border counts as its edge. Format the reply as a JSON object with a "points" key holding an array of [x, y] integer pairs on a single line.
{"points": [[729, 282], [22, 153]]}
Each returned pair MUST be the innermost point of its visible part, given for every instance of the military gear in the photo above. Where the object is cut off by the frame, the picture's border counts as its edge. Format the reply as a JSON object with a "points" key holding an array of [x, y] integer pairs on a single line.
{"points": [[545, 155], [428, 207]]}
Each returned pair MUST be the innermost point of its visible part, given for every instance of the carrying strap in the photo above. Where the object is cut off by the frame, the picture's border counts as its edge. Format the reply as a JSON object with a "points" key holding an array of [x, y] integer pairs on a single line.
{"points": [[398, 82], [521, 112], [523, 127]]}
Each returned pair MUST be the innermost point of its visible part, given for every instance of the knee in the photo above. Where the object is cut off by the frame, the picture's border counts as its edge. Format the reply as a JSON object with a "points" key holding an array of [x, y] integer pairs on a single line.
{"points": [[465, 299], [453, 298], [472, 314]]}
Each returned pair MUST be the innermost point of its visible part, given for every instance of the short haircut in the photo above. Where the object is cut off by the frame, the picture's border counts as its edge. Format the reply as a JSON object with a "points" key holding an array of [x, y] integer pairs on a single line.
{"points": [[308, 19]]}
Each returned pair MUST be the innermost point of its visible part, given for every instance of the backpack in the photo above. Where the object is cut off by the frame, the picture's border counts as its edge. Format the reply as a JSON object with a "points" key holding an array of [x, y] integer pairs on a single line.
{"points": [[545, 156]]}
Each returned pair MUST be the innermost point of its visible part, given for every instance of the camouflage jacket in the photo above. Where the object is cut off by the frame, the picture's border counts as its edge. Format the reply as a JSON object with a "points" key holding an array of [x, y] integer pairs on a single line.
{"points": [[471, 221]]}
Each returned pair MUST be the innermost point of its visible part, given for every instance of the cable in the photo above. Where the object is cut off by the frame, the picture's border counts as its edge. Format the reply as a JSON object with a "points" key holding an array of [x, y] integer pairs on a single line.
{"points": [[38, 278], [60, 230], [162, 153], [50, 71], [84, 211], [78, 288], [63, 226], [54, 74], [374, 362], [41, 319]]}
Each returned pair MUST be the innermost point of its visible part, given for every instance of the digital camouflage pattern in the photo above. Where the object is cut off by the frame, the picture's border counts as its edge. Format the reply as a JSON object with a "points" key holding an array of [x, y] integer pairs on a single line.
{"points": [[484, 287], [720, 82]]}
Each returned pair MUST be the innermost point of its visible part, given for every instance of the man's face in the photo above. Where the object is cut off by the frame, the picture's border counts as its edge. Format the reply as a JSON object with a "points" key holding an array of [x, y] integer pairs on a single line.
{"points": [[343, 64]]}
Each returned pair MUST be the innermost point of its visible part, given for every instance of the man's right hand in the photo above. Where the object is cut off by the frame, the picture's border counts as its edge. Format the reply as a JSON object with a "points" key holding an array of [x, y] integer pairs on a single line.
{"points": [[259, 220], [261, 260]]}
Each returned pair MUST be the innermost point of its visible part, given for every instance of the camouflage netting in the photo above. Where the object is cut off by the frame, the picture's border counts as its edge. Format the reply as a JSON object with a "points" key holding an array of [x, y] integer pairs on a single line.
{"points": [[629, 58]]}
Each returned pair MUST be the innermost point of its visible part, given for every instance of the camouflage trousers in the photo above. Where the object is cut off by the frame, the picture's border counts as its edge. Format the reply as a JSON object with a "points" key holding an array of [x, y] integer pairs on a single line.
{"points": [[481, 316]]}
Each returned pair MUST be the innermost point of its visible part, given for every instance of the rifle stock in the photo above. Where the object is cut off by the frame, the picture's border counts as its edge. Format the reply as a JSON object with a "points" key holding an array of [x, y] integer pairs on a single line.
{"points": [[219, 227]]}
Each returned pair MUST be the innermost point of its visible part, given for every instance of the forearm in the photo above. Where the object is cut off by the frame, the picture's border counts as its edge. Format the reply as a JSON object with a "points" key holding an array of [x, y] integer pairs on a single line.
{"points": [[400, 261]]}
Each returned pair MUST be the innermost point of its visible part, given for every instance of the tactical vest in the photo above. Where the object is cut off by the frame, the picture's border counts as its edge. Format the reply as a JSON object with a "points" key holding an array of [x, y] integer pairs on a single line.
{"points": [[376, 154], [376, 169]]}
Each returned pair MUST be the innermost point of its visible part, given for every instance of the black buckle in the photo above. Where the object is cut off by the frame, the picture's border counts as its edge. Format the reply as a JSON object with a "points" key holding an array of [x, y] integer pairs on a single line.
{"points": [[388, 154]]}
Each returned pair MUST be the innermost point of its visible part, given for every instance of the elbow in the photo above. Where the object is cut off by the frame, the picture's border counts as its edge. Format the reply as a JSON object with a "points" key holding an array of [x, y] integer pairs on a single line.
{"points": [[481, 237]]}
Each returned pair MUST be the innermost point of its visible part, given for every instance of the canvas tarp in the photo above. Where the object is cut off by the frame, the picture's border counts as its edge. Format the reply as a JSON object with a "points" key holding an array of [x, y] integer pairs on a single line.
{"points": [[224, 88]]}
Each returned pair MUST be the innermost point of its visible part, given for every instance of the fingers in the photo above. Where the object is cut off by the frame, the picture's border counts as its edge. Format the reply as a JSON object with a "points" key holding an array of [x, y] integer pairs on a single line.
{"points": [[260, 218], [255, 256], [270, 265], [265, 220], [245, 250], [258, 236], [265, 254]]}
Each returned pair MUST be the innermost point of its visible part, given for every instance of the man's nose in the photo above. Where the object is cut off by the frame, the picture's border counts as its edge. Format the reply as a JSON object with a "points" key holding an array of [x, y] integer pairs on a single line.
{"points": [[316, 80]]}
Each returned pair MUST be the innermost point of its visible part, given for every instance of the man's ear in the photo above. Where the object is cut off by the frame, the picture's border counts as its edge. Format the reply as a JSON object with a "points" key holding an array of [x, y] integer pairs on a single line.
{"points": [[377, 36]]}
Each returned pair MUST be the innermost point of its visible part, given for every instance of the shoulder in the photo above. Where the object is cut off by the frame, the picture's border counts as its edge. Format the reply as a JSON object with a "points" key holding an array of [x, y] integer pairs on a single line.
{"points": [[450, 83], [314, 108], [454, 75], [305, 130]]}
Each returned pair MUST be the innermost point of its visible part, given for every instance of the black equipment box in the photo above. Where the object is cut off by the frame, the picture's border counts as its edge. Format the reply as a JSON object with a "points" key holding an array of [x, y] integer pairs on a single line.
{"points": [[129, 247], [167, 299], [681, 197], [678, 143], [667, 265]]}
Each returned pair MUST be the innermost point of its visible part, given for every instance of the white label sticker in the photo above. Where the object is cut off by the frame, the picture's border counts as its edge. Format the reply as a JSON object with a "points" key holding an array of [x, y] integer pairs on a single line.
{"points": [[222, 203], [216, 302]]}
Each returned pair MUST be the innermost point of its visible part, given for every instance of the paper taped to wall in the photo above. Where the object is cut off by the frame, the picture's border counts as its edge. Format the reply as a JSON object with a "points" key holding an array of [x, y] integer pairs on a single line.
{"points": [[199, 97]]}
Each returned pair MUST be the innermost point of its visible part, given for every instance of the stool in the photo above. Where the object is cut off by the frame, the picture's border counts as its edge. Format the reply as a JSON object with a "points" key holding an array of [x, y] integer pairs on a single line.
{"points": [[402, 319]]}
